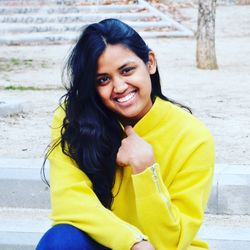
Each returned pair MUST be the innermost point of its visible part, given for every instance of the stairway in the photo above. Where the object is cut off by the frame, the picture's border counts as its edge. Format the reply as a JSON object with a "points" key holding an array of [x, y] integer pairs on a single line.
{"points": [[58, 22]]}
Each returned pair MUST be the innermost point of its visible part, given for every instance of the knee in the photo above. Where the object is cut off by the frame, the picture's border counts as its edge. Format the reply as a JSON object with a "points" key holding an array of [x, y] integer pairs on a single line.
{"points": [[63, 237]]}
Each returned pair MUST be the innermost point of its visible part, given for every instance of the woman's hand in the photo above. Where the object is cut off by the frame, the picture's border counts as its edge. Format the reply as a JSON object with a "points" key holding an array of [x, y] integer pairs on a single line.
{"points": [[134, 151], [143, 245]]}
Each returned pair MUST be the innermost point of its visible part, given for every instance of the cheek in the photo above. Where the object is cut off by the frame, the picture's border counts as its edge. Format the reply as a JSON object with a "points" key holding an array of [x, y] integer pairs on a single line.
{"points": [[144, 78], [146, 84], [104, 93]]}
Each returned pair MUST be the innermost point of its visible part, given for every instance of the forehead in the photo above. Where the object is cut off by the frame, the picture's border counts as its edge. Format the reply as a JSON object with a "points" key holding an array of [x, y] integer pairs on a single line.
{"points": [[114, 56]]}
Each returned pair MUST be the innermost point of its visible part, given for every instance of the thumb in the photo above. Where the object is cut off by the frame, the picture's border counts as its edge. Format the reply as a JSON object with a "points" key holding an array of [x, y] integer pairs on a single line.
{"points": [[129, 131]]}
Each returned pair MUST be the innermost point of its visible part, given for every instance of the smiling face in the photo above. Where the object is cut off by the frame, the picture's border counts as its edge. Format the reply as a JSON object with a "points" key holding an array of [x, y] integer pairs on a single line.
{"points": [[123, 82]]}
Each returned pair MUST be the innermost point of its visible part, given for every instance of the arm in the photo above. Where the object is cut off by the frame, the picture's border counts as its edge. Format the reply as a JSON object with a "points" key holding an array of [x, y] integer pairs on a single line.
{"points": [[171, 213], [176, 211], [74, 202]]}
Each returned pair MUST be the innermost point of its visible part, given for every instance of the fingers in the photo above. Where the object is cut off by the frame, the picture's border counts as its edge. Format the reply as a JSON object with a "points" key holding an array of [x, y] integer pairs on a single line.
{"points": [[121, 159], [121, 164], [129, 131]]}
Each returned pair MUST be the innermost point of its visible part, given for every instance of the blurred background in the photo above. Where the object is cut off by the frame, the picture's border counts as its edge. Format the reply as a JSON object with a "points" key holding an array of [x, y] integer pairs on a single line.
{"points": [[35, 40]]}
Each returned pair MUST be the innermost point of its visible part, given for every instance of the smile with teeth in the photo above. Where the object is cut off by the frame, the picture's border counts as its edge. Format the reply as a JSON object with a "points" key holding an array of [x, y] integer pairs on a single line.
{"points": [[126, 98]]}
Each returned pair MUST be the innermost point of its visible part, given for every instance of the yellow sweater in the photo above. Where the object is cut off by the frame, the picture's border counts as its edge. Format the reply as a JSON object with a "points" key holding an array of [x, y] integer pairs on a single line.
{"points": [[165, 203]]}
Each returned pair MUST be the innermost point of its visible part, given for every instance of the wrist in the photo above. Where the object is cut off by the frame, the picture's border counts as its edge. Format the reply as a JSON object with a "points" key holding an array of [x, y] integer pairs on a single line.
{"points": [[134, 247], [140, 168]]}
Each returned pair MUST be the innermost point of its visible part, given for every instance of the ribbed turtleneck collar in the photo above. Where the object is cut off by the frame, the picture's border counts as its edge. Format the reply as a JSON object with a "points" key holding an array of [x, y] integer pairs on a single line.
{"points": [[148, 122]]}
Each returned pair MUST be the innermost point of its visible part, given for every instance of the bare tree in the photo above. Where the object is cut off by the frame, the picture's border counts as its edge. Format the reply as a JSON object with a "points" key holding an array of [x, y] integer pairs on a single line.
{"points": [[205, 49], [243, 2]]}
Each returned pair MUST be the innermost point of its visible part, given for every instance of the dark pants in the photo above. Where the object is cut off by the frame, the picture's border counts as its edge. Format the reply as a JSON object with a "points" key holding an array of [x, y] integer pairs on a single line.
{"points": [[67, 237]]}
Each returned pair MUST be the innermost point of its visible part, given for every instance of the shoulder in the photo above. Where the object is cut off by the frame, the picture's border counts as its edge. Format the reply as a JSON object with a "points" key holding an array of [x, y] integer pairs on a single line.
{"points": [[59, 112], [59, 115], [191, 140], [57, 121], [184, 124]]}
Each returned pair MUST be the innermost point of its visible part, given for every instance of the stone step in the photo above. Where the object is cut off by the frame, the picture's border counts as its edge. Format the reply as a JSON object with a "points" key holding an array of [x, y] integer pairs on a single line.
{"points": [[226, 232], [62, 9], [74, 17], [38, 38], [22, 228], [69, 27], [61, 21], [67, 37], [231, 190], [47, 2], [21, 186]]}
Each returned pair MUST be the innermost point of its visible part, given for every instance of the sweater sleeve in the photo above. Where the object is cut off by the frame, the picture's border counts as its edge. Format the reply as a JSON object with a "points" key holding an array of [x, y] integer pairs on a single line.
{"points": [[171, 216], [74, 202]]}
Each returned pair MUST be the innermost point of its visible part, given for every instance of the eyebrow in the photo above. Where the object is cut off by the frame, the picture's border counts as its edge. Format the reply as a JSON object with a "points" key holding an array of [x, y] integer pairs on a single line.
{"points": [[123, 66]]}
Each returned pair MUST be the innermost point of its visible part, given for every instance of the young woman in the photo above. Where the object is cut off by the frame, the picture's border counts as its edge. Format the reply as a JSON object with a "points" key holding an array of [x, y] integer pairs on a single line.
{"points": [[129, 168]]}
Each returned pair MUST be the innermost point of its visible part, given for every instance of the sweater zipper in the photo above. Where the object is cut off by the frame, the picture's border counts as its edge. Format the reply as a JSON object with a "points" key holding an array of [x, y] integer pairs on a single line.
{"points": [[156, 181], [139, 236]]}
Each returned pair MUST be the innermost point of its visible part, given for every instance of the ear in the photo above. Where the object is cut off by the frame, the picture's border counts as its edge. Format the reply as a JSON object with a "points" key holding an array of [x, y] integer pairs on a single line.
{"points": [[151, 62]]}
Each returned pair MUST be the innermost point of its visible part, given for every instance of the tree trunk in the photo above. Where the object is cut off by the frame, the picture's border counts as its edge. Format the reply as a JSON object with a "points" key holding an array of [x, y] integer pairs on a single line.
{"points": [[243, 2], [205, 49]]}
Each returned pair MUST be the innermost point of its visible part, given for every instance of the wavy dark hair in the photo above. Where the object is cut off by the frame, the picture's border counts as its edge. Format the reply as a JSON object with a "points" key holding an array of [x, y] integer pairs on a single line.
{"points": [[91, 134]]}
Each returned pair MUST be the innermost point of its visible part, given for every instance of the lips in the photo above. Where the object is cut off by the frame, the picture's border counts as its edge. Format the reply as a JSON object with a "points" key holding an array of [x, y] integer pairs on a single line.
{"points": [[126, 98]]}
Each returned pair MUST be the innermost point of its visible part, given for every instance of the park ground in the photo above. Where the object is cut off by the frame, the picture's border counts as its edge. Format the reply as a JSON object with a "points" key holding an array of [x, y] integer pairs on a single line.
{"points": [[220, 98]]}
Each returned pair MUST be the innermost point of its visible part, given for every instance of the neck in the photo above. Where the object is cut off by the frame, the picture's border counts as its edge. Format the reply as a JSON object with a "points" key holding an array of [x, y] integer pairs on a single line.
{"points": [[127, 122]]}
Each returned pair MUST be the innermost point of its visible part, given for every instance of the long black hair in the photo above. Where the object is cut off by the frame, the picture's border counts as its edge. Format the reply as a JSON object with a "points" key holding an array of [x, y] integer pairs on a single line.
{"points": [[90, 133]]}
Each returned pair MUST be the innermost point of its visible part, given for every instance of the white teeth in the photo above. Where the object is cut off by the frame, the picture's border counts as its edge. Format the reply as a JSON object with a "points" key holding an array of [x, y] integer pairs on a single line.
{"points": [[126, 98]]}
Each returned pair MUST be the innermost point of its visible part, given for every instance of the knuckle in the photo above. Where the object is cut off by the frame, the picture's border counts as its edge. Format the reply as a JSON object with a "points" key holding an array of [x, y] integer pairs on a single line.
{"points": [[123, 142]]}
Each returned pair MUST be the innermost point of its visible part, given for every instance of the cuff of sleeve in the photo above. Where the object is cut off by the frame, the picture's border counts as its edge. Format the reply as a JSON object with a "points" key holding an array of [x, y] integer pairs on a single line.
{"points": [[149, 182], [137, 240]]}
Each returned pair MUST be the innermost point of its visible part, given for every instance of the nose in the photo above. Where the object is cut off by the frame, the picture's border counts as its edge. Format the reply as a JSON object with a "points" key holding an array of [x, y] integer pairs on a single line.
{"points": [[120, 85]]}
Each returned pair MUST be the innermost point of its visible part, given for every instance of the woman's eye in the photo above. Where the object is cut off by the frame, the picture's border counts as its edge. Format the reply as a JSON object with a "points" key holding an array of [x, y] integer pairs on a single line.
{"points": [[126, 71], [103, 80]]}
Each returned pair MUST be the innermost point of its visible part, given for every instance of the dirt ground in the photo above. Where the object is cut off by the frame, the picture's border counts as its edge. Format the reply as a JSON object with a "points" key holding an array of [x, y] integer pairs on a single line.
{"points": [[220, 98]]}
